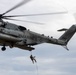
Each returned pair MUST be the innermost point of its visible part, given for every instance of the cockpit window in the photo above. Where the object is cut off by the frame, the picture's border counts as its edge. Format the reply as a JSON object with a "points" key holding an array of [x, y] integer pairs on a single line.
{"points": [[22, 28]]}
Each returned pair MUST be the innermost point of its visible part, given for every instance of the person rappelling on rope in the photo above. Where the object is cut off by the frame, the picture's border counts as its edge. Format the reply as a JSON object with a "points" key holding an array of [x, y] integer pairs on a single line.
{"points": [[33, 59]]}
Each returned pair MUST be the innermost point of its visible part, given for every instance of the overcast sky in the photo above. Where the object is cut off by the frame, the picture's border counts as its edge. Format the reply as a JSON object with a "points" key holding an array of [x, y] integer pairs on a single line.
{"points": [[51, 59]]}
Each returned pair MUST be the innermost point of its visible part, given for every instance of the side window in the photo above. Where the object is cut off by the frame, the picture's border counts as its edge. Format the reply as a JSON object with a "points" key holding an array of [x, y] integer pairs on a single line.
{"points": [[22, 28]]}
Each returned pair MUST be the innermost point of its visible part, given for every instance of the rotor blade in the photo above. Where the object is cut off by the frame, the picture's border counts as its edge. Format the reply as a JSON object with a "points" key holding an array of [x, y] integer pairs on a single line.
{"points": [[18, 5], [23, 21], [37, 14]]}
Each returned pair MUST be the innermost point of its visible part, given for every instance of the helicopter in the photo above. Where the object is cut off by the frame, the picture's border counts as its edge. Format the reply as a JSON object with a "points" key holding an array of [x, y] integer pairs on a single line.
{"points": [[13, 35]]}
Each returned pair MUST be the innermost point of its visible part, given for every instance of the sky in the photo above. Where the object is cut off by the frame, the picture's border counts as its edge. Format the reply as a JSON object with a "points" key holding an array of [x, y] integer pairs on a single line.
{"points": [[51, 59]]}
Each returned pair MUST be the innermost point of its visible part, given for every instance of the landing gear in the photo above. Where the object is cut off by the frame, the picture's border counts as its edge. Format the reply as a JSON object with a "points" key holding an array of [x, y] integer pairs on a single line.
{"points": [[3, 48]]}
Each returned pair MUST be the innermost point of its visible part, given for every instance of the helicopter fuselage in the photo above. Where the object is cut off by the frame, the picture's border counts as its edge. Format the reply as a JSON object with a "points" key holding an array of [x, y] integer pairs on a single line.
{"points": [[18, 36]]}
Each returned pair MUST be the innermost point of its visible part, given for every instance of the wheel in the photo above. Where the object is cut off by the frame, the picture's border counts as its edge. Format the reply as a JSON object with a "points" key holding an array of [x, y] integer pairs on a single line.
{"points": [[3, 48]]}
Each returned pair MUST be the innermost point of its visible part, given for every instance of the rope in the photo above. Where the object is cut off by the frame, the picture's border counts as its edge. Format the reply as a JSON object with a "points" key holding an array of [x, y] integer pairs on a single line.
{"points": [[37, 69], [31, 52]]}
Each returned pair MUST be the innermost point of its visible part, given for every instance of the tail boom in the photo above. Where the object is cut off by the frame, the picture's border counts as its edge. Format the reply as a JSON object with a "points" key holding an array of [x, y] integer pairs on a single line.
{"points": [[65, 38]]}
